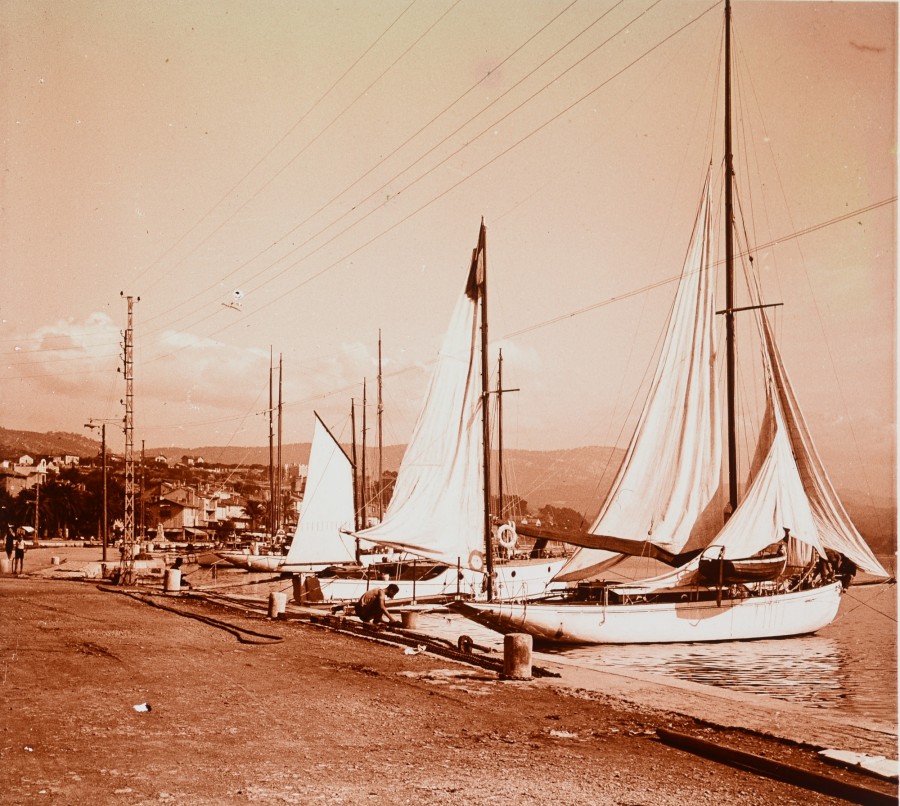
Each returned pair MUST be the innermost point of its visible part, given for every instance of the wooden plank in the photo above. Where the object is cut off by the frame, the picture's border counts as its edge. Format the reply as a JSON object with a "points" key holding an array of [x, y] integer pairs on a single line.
{"points": [[777, 770]]}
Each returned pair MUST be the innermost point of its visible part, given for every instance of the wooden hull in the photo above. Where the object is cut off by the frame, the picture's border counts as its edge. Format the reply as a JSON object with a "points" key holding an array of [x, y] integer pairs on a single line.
{"points": [[514, 579], [768, 616]]}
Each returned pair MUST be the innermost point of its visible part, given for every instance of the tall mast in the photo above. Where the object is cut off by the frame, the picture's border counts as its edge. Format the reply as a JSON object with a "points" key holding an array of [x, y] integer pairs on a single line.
{"points": [[364, 501], [279, 520], [353, 460], [380, 413], [500, 435], [481, 255], [271, 455], [729, 273]]}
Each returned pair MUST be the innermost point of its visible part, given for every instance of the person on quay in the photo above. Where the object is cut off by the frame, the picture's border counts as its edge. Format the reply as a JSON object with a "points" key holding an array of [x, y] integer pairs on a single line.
{"points": [[372, 606]]}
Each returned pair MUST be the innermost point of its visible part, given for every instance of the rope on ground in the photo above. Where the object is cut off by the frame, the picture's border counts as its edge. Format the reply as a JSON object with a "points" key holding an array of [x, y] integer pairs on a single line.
{"points": [[238, 632]]}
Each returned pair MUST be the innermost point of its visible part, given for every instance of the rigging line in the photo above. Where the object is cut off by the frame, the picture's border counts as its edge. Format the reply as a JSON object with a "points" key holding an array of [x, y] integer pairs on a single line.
{"points": [[464, 179], [456, 184], [657, 284], [412, 137], [264, 158], [417, 161], [307, 146]]}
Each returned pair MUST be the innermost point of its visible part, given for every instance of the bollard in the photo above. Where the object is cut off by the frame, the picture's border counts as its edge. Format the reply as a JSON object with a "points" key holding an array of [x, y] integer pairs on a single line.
{"points": [[54, 561], [172, 581], [277, 603], [408, 619], [517, 656], [5, 566]]}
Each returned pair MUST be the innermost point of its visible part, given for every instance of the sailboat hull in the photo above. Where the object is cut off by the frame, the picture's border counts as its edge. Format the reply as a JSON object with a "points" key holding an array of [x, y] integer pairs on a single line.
{"points": [[514, 580], [768, 616]]}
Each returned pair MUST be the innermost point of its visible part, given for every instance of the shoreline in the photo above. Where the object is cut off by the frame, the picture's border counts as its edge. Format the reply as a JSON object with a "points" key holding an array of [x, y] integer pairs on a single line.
{"points": [[338, 717]]}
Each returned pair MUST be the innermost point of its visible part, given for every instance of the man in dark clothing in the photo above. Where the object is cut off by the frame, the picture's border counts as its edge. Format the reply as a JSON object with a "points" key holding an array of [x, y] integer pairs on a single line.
{"points": [[372, 607]]}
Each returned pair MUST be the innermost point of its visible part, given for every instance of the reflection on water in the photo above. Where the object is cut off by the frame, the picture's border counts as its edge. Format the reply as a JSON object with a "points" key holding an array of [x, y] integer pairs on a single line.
{"points": [[850, 665], [805, 670]]}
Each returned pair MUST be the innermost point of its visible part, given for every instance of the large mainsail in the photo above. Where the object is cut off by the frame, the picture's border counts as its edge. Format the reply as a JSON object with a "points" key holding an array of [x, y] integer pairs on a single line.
{"points": [[326, 514], [437, 508], [666, 489]]}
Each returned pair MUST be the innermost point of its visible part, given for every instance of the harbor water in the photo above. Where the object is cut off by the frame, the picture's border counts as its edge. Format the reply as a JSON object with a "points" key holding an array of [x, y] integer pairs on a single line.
{"points": [[850, 666]]}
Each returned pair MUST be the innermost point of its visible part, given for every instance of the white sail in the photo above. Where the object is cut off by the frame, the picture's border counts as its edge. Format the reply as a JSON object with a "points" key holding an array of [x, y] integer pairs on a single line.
{"points": [[835, 529], [326, 513], [667, 485], [437, 508]]}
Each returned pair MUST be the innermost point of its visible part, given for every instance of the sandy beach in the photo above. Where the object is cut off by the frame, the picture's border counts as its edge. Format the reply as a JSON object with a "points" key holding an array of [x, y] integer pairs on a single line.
{"points": [[108, 700]]}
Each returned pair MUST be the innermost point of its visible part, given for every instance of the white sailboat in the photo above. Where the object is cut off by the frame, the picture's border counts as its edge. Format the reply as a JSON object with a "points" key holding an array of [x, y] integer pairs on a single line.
{"points": [[439, 512], [776, 567]]}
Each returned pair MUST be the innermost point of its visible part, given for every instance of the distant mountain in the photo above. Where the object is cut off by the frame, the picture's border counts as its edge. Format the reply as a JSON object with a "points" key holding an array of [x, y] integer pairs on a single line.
{"points": [[577, 478], [55, 443]]}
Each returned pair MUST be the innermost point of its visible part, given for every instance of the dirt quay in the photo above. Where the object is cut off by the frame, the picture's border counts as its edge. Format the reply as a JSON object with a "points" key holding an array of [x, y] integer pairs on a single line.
{"points": [[316, 718]]}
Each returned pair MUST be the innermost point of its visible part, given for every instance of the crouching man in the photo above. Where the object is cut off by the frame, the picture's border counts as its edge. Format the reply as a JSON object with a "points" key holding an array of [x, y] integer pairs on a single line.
{"points": [[372, 607]]}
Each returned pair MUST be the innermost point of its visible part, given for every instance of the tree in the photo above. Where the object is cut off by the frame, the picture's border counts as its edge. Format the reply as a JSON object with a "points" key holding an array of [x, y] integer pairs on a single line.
{"points": [[257, 511], [563, 518]]}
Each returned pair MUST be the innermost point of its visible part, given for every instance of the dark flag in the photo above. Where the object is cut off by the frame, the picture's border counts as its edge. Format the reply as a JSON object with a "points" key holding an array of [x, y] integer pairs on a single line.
{"points": [[476, 272]]}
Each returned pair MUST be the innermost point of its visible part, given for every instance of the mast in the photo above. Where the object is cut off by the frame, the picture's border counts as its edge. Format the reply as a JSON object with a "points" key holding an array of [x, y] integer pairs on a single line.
{"points": [[500, 435], [729, 274], [363, 504], [380, 413], [353, 460], [271, 456], [481, 255], [279, 515]]}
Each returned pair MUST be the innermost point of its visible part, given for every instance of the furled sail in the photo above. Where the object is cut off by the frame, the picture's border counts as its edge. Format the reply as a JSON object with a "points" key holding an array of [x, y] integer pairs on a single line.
{"points": [[326, 513], [437, 508], [666, 489]]}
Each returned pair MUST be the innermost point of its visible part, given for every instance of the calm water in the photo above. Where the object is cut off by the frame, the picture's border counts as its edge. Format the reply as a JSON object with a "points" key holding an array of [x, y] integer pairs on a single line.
{"points": [[850, 666]]}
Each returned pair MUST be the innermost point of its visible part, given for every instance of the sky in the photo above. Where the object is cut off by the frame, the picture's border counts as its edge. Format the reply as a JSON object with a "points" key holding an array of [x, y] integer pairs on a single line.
{"points": [[276, 180]]}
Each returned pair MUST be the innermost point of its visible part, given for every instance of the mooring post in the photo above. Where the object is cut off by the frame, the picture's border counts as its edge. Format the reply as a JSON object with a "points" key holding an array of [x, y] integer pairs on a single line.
{"points": [[517, 656], [277, 603], [172, 582]]}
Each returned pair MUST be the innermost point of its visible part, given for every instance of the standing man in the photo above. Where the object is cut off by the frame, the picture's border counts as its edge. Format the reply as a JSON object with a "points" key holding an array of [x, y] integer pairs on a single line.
{"points": [[19, 556], [10, 541]]}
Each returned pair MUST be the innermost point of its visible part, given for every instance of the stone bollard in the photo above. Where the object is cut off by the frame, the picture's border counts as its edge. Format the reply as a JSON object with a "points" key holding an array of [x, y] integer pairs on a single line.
{"points": [[517, 656], [408, 619], [54, 561], [5, 566], [172, 581], [277, 603]]}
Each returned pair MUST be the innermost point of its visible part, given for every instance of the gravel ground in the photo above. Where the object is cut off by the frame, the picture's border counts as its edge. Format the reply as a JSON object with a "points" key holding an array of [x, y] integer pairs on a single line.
{"points": [[319, 718]]}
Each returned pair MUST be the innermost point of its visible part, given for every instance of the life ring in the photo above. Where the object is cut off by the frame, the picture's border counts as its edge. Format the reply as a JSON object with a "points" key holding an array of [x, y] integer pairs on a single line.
{"points": [[506, 535], [476, 560]]}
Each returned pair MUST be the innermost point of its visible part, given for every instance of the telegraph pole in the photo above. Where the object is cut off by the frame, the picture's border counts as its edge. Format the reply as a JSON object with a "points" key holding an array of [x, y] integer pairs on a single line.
{"points": [[104, 526], [126, 573]]}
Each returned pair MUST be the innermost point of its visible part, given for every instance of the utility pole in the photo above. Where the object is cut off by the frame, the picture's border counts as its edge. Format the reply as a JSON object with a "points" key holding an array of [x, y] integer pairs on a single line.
{"points": [[143, 494], [105, 524], [37, 511], [126, 575]]}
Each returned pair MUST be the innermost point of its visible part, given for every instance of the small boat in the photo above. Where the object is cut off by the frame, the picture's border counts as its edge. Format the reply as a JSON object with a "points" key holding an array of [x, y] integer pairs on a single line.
{"points": [[667, 499]]}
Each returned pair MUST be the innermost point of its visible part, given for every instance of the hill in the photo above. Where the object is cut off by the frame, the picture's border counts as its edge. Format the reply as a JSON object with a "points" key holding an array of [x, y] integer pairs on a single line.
{"points": [[577, 478], [55, 443]]}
